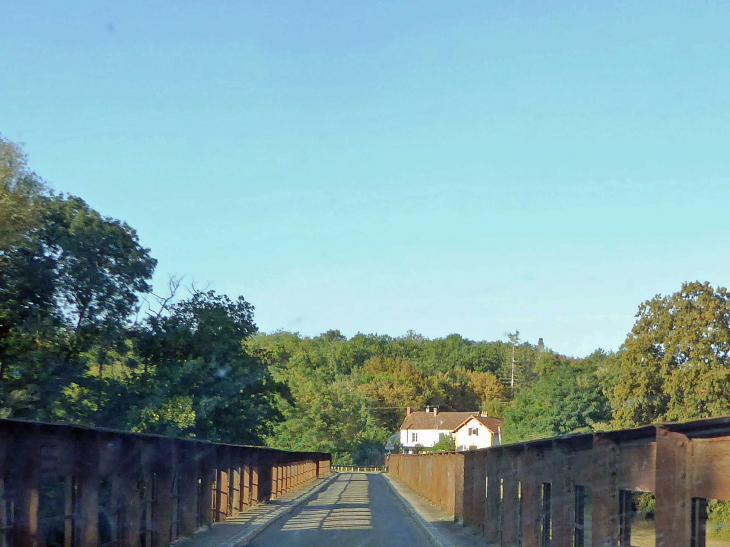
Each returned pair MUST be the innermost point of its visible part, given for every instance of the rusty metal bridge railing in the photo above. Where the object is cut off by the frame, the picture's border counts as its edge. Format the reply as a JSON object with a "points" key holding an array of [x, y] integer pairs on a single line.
{"points": [[577, 490], [73, 486]]}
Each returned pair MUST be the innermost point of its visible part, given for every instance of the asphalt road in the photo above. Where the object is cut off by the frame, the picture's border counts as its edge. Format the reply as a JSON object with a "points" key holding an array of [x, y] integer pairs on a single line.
{"points": [[355, 510]]}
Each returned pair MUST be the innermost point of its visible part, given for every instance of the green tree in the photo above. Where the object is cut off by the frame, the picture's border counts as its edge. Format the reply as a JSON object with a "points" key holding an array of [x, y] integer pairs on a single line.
{"points": [[487, 389], [567, 401], [20, 190], [392, 384], [69, 282], [98, 264], [447, 443], [674, 362], [518, 367], [198, 376], [332, 417], [452, 372]]}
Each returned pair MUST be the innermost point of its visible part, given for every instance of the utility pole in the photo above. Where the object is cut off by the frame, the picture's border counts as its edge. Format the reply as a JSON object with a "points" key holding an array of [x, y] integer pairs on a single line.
{"points": [[514, 339], [512, 378]]}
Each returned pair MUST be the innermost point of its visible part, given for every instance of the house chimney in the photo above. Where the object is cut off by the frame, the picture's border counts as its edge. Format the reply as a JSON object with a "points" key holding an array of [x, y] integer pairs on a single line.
{"points": [[408, 411], [435, 411]]}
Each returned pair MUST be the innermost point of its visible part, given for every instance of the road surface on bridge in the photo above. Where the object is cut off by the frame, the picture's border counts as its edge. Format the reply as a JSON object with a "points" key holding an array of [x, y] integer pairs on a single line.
{"points": [[355, 510]]}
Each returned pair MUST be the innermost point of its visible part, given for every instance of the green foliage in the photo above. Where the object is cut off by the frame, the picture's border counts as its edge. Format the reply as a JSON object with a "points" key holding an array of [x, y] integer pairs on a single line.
{"points": [[718, 519], [674, 364], [645, 503], [330, 417], [20, 190], [175, 416], [69, 282], [447, 443], [568, 400], [391, 384], [380, 376], [99, 266], [198, 373]]}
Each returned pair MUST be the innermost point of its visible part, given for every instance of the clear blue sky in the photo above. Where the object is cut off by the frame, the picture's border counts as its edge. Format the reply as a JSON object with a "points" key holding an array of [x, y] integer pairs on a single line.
{"points": [[471, 167]]}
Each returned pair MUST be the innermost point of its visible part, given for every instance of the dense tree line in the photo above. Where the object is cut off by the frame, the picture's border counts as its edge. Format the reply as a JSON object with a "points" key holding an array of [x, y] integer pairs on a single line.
{"points": [[382, 375], [84, 339]]}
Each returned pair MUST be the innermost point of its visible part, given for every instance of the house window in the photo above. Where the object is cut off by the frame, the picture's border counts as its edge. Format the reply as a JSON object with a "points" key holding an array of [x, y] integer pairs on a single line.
{"points": [[474, 431], [414, 437]]}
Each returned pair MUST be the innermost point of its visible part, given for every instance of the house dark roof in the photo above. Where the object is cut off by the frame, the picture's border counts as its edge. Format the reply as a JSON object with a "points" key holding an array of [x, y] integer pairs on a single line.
{"points": [[492, 424], [443, 420]]}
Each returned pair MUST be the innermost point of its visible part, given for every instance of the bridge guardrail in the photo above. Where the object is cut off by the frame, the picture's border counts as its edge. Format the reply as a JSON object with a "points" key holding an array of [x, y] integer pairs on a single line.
{"points": [[544, 492], [83, 486], [357, 469]]}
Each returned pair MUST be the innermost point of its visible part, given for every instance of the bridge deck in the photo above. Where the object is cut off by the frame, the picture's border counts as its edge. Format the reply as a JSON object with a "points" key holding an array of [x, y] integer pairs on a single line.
{"points": [[234, 529], [356, 509]]}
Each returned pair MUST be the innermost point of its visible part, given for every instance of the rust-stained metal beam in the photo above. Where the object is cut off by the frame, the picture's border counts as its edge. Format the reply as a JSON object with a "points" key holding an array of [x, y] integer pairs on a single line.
{"points": [[165, 469], [685, 464], [673, 489], [139, 486], [531, 499], [563, 492], [25, 480], [510, 532], [488, 494], [605, 492], [87, 460]]}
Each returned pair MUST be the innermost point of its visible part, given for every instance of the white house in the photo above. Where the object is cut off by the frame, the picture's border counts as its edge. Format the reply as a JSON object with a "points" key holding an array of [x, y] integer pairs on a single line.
{"points": [[425, 429], [478, 432]]}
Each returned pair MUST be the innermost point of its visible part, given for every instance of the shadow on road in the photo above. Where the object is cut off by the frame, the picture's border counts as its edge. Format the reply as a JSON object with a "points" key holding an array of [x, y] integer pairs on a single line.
{"points": [[356, 509]]}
